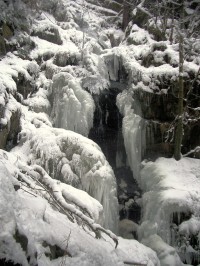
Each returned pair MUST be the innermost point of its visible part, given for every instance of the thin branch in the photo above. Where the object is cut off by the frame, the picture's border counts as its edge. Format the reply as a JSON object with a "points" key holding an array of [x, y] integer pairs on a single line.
{"points": [[133, 263], [28, 192], [197, 149]]}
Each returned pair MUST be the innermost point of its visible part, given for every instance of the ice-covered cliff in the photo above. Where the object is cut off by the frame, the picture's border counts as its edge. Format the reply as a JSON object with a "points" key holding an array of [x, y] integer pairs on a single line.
{"points": [[56, 63]]}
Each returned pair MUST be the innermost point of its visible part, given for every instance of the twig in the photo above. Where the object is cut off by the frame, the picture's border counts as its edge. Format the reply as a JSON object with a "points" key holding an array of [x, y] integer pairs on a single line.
{"points": [[197, 149], [133, 263], [28, 192]]}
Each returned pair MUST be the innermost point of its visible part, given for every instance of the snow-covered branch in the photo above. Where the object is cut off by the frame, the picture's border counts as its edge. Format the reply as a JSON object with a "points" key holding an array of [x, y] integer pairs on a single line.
{"points": [[36, 177], [197, 149]]}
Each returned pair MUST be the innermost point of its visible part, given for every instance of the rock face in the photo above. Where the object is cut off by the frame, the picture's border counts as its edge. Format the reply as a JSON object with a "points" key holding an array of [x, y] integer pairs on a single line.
{"points": [[24, 86], [5, 34], [159, 112], [9, 132], [152, 89]]}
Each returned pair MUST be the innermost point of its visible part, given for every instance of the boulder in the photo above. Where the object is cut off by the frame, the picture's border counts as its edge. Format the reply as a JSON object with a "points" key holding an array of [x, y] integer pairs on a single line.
{"points": [[9, 132]]}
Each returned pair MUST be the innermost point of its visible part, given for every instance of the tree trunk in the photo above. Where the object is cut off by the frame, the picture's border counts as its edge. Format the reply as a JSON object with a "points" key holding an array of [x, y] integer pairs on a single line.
{"points": [[126, 14], [172, 27], [179, 126]]}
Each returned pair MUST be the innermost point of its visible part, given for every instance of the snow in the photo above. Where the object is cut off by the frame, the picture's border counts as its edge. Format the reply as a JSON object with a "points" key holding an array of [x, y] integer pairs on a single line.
{"points": [[66, 76], [10, 67], [169, 187], [165, 253], [45, 47], [26, 214], [138, 36], [112, 61], [138, 254], [70, 157]]}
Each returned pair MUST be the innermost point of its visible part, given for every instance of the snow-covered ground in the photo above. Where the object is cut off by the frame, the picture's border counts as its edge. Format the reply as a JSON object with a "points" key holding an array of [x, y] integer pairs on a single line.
{"points": [[32, 227], [171, 205]]}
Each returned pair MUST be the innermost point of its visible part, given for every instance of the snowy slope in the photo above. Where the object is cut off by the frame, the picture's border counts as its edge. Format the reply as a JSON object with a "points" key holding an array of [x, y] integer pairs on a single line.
{"points": [[33, 228]]}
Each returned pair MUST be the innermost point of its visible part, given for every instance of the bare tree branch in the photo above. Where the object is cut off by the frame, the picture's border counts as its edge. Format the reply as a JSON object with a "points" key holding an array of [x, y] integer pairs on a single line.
{"points": [[197, 149]]}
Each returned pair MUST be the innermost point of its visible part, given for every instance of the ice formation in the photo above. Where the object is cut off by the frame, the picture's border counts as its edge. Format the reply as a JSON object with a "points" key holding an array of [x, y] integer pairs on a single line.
{"points": [[72, 107], [31, 227], [73, 159], [171, 206], [133, 131], [112, 61]]}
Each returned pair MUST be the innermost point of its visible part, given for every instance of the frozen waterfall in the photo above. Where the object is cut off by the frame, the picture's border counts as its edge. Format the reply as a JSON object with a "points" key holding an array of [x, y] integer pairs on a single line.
{"points": [[72, 107], [133, 131]]}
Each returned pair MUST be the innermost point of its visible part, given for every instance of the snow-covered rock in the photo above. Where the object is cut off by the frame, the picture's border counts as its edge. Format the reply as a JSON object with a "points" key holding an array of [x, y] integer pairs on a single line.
{"points": [[170, 206], [71, 158], [34, 231]]}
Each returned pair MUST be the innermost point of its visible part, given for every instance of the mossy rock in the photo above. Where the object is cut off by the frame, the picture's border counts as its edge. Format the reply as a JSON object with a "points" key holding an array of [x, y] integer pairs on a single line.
{"points": [[5, 262], [159, 46], [113, 5], [24, 86], [148, 60], [116, 6], [157, 33], [7, 32], [63, 59], [140, 18], [23, 45], [136, 41], [3, 136]]}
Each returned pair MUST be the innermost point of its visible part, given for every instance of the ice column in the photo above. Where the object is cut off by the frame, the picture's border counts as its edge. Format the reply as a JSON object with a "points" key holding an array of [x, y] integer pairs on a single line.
{"points": [[133, 130], [73, 107]]}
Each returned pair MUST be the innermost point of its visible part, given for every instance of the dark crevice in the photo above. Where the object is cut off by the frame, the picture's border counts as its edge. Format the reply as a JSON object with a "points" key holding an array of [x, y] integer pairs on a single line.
{"points": [[107, 133], [4, 262]]}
